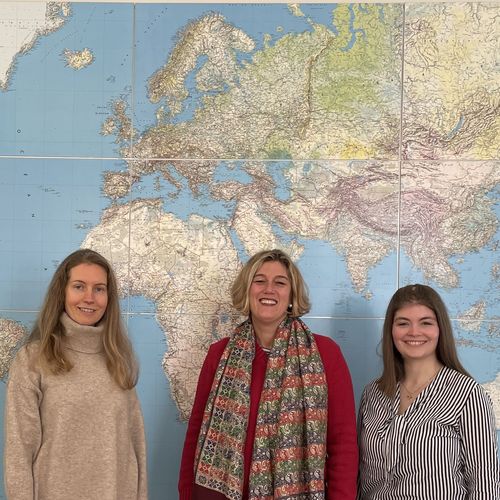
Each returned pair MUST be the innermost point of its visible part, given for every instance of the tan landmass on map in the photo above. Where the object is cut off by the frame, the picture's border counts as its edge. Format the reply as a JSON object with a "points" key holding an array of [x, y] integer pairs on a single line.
{"points": [[472, 319], [119, 123], [11, 334], [452, 102], [78, 59], [446, 211], [186, 268], [283, 105], [21, 26]]}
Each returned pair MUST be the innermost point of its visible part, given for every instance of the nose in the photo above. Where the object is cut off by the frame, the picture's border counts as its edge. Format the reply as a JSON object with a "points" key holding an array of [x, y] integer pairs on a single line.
{"points": [[89, 296]]}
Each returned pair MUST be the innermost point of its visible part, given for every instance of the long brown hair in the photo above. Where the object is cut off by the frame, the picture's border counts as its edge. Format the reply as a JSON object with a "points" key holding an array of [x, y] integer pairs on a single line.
{"points": [[49, 332], [241, 285], [446, 351]]}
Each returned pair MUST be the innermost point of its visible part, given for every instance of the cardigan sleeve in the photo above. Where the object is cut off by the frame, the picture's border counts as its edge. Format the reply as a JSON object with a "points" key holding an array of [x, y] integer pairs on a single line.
{"points": [[342, 450], [139, 444], [23, 428], [186, 473], [479, 447]]}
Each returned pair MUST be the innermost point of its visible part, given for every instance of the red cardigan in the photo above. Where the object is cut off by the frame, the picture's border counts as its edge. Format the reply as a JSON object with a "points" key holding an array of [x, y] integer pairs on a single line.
{"points": [[341, 466]]}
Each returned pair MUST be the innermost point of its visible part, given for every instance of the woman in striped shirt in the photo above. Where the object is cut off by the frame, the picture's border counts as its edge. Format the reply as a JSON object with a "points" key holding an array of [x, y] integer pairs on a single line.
{"points": [[426, 428]]}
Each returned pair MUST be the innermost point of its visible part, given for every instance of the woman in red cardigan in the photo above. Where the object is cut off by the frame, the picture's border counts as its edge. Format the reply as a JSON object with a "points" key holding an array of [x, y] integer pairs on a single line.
{"points": [[273, 416]]}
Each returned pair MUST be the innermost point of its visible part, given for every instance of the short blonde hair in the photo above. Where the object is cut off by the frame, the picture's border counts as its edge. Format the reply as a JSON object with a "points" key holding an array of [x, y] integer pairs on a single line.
{"points": [[241, 285]]}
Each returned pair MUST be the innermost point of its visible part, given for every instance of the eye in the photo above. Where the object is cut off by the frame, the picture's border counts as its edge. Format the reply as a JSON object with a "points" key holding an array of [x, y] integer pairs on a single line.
{"points": [[100, 289], [281, 283], [78, 286]]}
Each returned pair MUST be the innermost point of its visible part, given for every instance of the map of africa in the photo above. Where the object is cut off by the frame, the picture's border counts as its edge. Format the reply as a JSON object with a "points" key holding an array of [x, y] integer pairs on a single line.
{"points": [[179, 139]]}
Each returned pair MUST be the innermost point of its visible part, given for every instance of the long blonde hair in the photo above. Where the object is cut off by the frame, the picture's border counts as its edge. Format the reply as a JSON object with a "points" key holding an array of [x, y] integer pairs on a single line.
{"points": [[49, 332], [446, 351]]}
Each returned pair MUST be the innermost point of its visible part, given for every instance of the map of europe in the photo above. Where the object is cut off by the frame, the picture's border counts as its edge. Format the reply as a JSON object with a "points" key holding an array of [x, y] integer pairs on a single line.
{"points": [[179, 139]]}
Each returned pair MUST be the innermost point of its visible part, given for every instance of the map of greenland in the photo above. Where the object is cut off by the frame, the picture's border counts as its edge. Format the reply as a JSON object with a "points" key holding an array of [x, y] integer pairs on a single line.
{"points": [[21, 25]]}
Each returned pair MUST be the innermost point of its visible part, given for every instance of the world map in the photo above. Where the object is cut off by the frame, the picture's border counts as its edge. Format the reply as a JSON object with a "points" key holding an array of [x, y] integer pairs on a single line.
{"points": [[179, 139]]}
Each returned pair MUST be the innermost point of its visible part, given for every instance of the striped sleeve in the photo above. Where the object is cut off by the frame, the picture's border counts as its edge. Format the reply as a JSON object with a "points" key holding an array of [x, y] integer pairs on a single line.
{"points": [[443, 447], [479, 447]]}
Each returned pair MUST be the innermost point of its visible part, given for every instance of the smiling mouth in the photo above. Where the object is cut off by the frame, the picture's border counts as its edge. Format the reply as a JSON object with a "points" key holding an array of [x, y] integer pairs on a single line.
{"points": [[415, 342], [268, 302], [86, 310]]}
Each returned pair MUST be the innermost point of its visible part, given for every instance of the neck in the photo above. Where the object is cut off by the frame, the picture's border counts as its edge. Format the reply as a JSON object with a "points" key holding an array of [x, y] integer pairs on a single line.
{"points": [[265, 332], [419, 371], [82, 338]]}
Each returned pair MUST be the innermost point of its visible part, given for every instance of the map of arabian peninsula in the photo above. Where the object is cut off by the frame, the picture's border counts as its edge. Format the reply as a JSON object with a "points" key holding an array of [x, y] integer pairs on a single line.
{"points": [[364, 139]]}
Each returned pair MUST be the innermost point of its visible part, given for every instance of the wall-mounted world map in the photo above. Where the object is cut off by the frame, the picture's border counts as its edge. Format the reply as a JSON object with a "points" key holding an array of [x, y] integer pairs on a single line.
{"points": [[178, 139]]}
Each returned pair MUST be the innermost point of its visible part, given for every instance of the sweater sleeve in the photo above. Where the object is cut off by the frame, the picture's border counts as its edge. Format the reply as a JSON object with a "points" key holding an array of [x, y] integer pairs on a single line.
{"points": [[23, 428], [139, 444], [342, 450], [186, 473], [479, 447]]}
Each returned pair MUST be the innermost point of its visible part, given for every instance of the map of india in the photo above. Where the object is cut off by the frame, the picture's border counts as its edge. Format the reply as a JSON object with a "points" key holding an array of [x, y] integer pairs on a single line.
{"points": [[179, 139]]}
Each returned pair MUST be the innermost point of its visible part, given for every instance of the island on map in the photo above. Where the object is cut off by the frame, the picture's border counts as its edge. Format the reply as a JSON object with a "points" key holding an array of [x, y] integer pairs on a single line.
{"points": [[78, 59]]}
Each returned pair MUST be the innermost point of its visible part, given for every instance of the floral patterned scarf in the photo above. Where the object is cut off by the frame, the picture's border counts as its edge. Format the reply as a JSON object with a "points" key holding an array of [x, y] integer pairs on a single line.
{"points": [[290, 438]]}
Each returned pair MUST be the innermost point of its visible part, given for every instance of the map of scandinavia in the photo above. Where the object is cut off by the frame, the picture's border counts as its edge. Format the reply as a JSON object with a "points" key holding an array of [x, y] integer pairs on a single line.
{"points": [[363, 139]]}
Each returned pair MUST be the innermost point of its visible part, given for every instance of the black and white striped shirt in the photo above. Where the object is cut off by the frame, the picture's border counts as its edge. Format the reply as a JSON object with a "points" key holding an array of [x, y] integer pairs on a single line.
{"points": [[443, 447]]}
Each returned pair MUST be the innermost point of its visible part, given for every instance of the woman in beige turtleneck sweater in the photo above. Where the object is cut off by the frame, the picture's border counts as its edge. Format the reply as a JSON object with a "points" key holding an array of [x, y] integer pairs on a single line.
{"points": [[73, 426]]}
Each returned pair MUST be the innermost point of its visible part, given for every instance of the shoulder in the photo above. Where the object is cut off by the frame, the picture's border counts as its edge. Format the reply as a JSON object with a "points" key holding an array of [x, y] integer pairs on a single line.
{"points": [[459, 395], [453, 376], [214, 354], [26, 356], [373, 395], [335, 366], [373, 401], [24, 369], [331, 355], [327, 346], [372, 390], [217, 348], [457, 383]]}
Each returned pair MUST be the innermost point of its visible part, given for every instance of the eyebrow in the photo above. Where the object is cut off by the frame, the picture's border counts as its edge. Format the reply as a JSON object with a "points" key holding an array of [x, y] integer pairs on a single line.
{"points": [[279, 276], [84, 282], [419, 319]]}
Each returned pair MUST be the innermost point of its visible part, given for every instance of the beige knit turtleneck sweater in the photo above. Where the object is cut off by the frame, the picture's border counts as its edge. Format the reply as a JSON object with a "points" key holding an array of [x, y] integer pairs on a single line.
{"points": [[75, 436]]}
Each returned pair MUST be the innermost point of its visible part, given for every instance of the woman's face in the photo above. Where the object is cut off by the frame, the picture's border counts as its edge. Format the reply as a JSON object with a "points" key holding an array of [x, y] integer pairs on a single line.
{"points": [[415, 332], [86, 294], [270, 293]]}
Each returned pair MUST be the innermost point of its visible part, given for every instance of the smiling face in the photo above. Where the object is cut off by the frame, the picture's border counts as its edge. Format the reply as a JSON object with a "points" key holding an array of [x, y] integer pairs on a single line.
{"points": [[415, 332], [86, 296], [270, 294]]}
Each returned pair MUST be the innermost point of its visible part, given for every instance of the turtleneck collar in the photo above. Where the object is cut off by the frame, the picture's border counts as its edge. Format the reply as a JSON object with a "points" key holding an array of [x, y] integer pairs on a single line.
{"points": [[82, 338]]}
